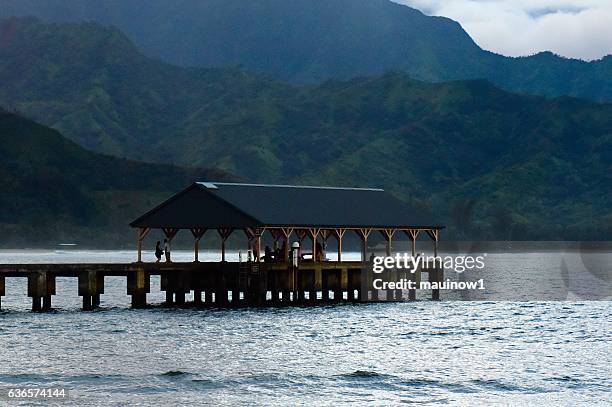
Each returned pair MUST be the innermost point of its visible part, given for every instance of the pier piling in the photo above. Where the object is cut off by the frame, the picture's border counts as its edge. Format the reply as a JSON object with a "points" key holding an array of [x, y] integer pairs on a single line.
{"points": [[2, 292], [436, 274], [41, 286], [249, 284], [91, 286], [138, 286]]}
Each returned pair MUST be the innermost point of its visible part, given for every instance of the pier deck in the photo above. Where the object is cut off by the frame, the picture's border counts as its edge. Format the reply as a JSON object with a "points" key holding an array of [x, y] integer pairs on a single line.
{"points": [[219, 284]]}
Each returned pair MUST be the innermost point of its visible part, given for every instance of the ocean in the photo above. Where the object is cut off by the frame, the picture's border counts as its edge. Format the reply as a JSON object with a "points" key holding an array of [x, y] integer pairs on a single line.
{"points": [[539, 334]]}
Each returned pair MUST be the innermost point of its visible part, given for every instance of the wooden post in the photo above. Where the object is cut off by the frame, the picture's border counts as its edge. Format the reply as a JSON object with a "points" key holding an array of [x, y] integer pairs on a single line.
{"points": [[170, 233], [197, 235], [339, 233], [388, 235], [224, 233], [258, 234], [276, 235], [363, 235], [314, 232], [437, 277], [142, 233], [286, 234], [413, 235], [255, 235]]}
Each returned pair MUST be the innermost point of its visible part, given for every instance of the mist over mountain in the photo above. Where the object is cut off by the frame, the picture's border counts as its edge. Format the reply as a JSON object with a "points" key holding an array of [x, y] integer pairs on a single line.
{"points": [[491, 164], [315, 40]]}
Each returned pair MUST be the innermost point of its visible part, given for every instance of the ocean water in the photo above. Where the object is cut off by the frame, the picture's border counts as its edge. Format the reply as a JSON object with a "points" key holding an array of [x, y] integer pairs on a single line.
{"points": [[550, 345]]}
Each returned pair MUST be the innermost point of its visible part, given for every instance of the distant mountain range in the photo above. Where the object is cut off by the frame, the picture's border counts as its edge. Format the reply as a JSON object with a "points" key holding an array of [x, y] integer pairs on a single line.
{"points": [[491, 164], [52, 190], [315, 40]]}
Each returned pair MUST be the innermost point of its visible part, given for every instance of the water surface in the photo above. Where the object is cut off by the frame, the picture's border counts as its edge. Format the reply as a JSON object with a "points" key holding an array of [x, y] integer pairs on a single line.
{"points": [[487, 352]]}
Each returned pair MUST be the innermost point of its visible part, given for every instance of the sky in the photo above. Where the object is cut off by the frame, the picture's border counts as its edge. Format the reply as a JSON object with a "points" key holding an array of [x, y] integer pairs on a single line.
{"points": [[571, 28]]}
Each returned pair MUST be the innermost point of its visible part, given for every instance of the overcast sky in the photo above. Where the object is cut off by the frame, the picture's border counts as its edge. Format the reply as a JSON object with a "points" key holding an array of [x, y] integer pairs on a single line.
{"points": [[572, 28]]}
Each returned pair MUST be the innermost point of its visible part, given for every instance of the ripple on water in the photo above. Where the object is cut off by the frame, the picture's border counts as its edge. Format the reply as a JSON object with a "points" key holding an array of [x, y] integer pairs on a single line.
{"points": [[459, 352]]}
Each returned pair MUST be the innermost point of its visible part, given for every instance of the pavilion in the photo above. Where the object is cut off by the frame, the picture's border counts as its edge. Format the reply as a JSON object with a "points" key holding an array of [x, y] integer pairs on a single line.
{"points": [[285, 211]]}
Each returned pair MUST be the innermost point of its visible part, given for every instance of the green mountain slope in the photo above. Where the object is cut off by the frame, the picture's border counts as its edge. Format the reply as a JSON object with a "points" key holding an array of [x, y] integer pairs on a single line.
{"points": [[313, 40], [54, 191], [490, 163]]}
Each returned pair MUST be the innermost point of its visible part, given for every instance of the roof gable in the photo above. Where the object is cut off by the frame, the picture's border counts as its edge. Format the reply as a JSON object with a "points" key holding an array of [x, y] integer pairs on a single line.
{"points": [[194, 207]]}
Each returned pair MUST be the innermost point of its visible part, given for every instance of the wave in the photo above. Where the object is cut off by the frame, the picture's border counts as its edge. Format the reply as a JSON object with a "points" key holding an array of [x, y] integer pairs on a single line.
{"points": [[493, 384], [363, 374], [175, 373]]}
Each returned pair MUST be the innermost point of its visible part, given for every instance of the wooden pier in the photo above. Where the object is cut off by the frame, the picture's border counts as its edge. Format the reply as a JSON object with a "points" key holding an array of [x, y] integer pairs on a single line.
{"points": [[222, 284], [282, 217]]}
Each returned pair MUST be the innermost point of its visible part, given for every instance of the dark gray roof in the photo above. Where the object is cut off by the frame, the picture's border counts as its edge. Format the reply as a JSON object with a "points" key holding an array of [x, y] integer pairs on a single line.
{"points": [[220, 204]]}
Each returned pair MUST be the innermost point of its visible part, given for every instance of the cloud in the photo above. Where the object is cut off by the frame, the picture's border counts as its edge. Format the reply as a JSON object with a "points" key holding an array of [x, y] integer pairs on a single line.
{"points": [[572, 28]]}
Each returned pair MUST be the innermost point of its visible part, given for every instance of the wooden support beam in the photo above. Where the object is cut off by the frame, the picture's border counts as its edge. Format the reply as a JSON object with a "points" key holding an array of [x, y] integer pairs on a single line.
{"points": [[339, 233], [412, 234], [276, 234], [433, 234], [388, 235], [363, 234], [301, 234], [258, 233], [254, 237], [438, 273], [224, 233], [169, 233], [142, 233], [314, 232], [250, 233], [197, 233], [325, 234], [286, 234]]}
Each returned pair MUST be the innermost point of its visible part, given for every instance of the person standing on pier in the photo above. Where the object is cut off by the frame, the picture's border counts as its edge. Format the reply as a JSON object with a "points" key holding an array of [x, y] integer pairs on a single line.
{"points": [[158, 251], [167, 250], [268, 255]]}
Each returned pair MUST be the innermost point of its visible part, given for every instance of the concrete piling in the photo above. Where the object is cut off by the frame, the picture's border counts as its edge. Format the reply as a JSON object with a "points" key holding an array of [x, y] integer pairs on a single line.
{"points": [[41, 286], [436, 274], [91, 285], [176, 284], [138, 286]]}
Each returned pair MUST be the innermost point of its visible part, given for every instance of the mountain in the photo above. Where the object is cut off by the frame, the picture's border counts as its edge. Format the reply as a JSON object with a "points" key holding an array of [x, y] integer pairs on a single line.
{"points": [[314, 40], [55, 191], [491, 164]]}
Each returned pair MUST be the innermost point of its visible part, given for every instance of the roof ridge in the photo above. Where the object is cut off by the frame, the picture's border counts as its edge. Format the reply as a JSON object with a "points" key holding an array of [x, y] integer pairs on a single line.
{"points": [[212, 185]]}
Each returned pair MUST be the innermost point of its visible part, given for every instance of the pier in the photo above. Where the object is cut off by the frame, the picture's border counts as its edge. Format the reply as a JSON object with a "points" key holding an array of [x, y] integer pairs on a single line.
{"points": [[297, 222], [226, 285]]}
